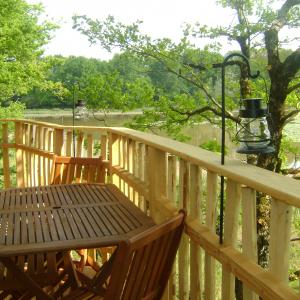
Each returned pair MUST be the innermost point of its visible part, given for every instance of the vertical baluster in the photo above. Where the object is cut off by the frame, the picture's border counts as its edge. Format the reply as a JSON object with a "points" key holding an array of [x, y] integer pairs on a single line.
{"points": [[172, 178], [51, 140], [26, 155], [51, 149], [130, 166], [58, 141], [41, 158], [157, 186], [249, 236], [19, 154], [79, 144], [29, 159], [183, 254], [90, 145], [195, 213], [35, 168], [45, 147], [146, 177], [114, 152], [125, 162], [230, 234], [24, 152], [32, 155], [141, 173], [135, 158], [69, 143], [121, 155], [210, 221], [171, 194], [6, 172], [280, 234], [104, 146]]}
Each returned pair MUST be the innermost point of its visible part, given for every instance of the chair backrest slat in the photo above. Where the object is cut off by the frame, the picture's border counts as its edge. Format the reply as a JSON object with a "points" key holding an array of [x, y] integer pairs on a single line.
{"points": [[67, 170], [143, 264]]}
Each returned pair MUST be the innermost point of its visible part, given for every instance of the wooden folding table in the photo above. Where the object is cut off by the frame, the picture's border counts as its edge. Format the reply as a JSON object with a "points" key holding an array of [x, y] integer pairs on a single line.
{"points": [[64, 217]]}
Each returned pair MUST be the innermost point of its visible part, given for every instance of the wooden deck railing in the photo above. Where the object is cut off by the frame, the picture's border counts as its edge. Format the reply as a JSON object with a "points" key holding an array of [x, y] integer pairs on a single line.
{"points": [[160, 176]]}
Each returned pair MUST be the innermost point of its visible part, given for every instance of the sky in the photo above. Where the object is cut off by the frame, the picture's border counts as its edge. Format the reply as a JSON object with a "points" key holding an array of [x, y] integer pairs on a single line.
{"points": [[161, 18]]}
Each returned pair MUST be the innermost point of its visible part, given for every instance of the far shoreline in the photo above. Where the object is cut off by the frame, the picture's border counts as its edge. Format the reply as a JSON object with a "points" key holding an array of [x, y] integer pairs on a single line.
{"points": [[60, 112]]}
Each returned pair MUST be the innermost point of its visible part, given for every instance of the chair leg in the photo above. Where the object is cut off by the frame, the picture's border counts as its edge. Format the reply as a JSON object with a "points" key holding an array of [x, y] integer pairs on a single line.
{"points": [[31, 285], [71, 282]]}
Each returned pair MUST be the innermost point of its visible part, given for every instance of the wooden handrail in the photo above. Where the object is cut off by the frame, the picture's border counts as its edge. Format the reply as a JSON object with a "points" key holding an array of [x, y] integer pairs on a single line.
{"points": [[53, 125]]}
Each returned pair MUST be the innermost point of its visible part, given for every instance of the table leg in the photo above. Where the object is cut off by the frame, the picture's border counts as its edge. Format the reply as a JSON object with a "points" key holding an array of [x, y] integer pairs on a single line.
{"points": [[30, 284]]}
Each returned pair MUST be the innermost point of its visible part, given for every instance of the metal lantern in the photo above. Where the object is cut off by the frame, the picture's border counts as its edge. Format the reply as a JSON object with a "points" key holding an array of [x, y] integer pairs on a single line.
{"points": [[253, 134], [80, 111]]}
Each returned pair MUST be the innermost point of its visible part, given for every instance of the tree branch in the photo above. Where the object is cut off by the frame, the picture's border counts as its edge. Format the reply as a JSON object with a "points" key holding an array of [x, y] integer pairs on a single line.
{"points": [[295, 239], [203, 109], [290, 115], [271, 35], [283, 13], [291, 65], [293, 87]]}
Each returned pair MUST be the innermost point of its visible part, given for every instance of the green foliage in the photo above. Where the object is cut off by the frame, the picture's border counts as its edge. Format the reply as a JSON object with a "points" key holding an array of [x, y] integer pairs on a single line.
{"points": [[122, 83], [255, 28], [14, 110], [110, 91], [21, 41], [65, 77], [288, 149], [103, 91], [214, 146]]}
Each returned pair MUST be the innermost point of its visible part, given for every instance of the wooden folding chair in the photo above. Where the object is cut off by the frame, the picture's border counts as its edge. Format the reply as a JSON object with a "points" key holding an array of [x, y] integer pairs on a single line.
{"points": [[141, 266], [67, 170]]}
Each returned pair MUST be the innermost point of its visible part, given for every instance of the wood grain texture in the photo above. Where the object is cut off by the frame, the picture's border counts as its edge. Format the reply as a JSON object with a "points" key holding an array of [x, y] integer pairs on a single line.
{"points": [[232, 211], [5, 154], [62, 217], [210, 221], [249, 236], [142, 265], [280, 233], [183, 254], [195, 251]]}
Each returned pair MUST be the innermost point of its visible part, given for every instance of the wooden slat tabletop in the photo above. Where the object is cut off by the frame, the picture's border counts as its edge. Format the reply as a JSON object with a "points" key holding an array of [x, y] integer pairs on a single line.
{"points": [[62, 217]]}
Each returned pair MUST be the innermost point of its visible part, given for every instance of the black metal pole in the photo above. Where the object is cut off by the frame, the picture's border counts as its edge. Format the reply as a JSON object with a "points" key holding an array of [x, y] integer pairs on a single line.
{"points": [[245, 59], [222, 152]]}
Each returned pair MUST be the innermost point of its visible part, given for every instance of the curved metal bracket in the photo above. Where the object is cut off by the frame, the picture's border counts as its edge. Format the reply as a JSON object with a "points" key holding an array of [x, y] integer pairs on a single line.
{"points": [[245, 59]]}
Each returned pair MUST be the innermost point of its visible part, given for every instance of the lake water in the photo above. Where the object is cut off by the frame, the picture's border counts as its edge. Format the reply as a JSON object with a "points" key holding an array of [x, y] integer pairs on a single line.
{"points": [[199, 133]]}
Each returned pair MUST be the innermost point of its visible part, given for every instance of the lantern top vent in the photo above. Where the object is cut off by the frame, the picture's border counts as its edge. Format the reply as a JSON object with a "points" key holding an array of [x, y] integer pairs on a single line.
{"points": [[251, 108]]}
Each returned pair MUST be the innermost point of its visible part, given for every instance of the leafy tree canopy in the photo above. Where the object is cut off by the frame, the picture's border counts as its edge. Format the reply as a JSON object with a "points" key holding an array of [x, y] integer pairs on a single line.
{"points": [[21, 40], [256, 29]]}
